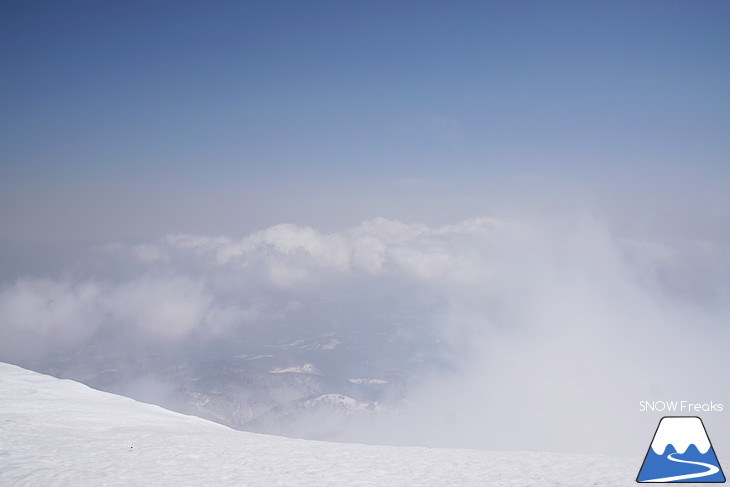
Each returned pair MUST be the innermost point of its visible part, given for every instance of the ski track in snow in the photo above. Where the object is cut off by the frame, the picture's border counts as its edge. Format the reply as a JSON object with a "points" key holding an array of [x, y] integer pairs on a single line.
{"points": [[59, 433]]}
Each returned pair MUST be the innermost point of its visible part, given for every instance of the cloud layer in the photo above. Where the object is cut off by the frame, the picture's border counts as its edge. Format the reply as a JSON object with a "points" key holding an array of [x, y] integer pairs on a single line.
{"points": [[525, 331]]}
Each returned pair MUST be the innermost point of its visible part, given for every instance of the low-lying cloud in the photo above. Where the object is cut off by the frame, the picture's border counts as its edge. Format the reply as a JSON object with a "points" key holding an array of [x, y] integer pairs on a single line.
{"points": [[534, 332]]}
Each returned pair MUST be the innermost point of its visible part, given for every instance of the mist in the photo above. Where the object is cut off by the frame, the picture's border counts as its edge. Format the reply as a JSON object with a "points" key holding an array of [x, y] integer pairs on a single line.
{"points": [[494, 225], [530, 332], [571, 329]]}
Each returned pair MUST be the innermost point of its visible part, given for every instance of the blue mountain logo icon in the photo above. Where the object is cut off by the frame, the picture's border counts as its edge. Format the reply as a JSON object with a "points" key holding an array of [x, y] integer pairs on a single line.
{"points": [[681, 452]]}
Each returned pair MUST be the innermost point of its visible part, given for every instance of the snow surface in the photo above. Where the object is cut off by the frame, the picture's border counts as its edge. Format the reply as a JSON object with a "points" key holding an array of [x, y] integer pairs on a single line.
{"points": [[369, 381], [303, 369], [59, 432]]}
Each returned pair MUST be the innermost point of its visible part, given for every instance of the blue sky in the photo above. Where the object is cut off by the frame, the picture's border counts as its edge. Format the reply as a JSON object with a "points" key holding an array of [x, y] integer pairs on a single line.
{"points": [[134, 119], [594, 136]]}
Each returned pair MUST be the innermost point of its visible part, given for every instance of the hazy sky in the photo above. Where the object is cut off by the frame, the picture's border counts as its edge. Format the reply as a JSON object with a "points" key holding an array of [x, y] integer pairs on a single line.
{"points": [[135, 119], [549, 181]]}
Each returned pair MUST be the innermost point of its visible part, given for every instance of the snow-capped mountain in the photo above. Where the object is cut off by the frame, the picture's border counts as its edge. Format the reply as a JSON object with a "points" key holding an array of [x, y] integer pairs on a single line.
{"points": [[60, 432], [259, 384]]}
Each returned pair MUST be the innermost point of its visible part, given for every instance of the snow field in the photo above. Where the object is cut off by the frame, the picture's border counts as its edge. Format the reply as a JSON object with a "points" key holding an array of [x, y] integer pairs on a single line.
{"points": [[60, 433]]}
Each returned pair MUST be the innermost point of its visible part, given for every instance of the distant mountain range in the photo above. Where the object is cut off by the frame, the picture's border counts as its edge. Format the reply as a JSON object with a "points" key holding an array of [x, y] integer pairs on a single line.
{"points": [[301, 386]]}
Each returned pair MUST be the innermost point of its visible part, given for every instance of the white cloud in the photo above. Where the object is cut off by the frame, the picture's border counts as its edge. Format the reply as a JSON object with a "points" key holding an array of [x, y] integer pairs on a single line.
{"points": [[293, 253], [545, 324], [169, 308], [41, 315], [38, 314]]}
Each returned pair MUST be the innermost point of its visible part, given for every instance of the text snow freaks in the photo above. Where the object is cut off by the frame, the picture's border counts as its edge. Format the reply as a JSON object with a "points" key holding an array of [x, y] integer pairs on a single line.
{"points": [[679, 407]]}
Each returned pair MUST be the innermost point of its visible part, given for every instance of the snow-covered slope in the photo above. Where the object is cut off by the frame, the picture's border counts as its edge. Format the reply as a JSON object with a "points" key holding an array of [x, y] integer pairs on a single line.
{"points": [[59, 432]]}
